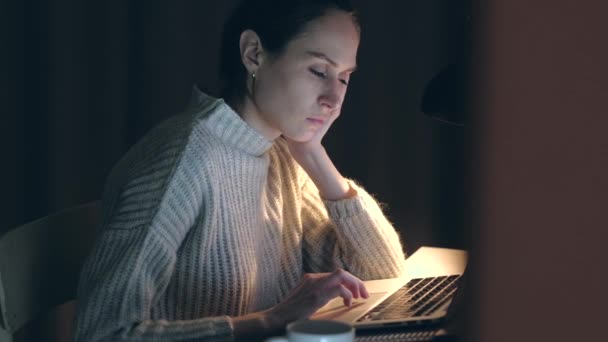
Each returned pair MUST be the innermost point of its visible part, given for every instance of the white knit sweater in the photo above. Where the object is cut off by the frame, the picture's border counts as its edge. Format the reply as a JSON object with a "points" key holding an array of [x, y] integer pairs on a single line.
{"points": [[205, 219]]}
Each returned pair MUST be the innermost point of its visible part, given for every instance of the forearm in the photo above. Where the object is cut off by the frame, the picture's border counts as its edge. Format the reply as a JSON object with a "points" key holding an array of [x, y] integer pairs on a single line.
{"points": [[368, 238], [322, 171], [120, 329], [364, 241], [256, 324]]}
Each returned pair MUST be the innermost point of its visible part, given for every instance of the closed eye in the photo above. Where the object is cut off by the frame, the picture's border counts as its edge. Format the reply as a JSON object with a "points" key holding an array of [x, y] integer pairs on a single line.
{"points": [[318, 73], [323, 75]]}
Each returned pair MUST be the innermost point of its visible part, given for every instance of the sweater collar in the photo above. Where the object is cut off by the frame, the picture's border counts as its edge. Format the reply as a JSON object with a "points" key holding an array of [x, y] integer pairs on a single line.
{"points": [[227, 125]]}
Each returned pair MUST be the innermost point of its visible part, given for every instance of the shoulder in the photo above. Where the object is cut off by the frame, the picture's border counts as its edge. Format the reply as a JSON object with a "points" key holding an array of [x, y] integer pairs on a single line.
{"points": [[159, 149], [174, 150], [171, 140]]}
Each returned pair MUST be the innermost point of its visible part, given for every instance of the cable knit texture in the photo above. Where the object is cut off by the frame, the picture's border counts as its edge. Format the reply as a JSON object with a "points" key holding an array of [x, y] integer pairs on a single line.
{"points": [[204, 219]]}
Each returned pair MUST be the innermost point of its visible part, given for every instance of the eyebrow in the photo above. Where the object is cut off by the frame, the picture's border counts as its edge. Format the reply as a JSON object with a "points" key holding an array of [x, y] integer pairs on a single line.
{"points": [[329, 60]]}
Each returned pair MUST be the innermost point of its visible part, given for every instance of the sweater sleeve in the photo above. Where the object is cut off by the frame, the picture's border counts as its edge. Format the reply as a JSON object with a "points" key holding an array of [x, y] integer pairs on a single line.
{"points": [[352, 233], [144, 223]]}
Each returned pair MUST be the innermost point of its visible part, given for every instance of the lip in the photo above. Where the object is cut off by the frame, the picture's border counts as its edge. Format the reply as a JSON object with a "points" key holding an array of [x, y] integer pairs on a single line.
{"points": [[316, 120]]}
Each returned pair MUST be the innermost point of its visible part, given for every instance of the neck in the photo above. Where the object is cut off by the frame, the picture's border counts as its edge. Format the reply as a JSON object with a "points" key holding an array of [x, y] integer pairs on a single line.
{"points": [[248, 110]]}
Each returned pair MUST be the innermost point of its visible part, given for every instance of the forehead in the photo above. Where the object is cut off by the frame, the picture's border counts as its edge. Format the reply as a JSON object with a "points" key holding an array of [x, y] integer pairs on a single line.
{"points": [[334, 35]]}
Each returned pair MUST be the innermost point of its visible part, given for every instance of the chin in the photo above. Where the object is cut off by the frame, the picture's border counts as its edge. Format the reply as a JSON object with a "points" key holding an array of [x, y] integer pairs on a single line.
{"points": [[302, 137]]}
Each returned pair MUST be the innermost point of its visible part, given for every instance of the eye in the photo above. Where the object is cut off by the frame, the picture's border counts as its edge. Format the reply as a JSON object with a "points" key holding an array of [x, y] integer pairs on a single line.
{"points": [[345, 82], [318, 73]]}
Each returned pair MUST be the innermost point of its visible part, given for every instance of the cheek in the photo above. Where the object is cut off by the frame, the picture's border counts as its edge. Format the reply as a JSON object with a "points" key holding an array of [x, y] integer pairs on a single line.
{"points": [[303, 90], [268, 92], [288, 92], [296, 96], [274, 85]]}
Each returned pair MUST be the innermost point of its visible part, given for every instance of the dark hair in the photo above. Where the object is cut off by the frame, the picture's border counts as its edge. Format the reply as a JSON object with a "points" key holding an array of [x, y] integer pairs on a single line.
{"points": [[276, 22]]}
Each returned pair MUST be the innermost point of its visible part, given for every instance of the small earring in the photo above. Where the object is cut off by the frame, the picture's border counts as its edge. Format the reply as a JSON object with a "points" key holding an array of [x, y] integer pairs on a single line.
{"points": [[252, 82]]}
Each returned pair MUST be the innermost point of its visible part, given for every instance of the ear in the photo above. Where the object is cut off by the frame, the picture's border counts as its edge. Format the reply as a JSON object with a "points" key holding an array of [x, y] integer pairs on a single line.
{"points": [[251, 50]]}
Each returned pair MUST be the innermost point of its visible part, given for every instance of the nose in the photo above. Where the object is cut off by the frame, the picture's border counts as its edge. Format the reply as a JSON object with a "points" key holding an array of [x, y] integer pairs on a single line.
{"points": [[331, 98]]}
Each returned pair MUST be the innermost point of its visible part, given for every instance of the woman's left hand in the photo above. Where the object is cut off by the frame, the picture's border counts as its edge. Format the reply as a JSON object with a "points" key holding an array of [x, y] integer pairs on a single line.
{"points": [[301, 150], [313, 158]]}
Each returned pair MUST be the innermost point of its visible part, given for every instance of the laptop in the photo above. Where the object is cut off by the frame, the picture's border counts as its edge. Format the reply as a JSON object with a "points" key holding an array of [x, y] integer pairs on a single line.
{"points": [[420, 297]]}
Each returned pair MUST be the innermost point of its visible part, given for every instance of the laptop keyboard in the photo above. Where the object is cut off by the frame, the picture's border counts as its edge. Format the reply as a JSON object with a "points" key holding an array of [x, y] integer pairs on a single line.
{"points": [[419, 297]]}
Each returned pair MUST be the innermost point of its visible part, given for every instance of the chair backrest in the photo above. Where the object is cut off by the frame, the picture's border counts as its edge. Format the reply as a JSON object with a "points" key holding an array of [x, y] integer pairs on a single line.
{"points": [[40, 264]]}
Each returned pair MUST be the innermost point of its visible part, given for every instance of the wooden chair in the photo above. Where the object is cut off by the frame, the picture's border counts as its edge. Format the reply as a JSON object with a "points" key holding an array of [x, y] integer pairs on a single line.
{"points": [[40, 264]]}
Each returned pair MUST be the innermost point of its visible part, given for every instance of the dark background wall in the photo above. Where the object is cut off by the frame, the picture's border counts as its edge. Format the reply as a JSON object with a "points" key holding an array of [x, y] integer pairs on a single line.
{"points": [[83, 80]]}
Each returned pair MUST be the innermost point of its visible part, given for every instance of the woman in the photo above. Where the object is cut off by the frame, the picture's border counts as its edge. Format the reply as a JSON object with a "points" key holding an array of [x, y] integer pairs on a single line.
{"points": [[231, 220]]}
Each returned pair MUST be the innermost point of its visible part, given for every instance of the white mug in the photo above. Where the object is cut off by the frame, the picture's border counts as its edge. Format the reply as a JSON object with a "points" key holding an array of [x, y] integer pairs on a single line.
{"points": [[317, 331]]}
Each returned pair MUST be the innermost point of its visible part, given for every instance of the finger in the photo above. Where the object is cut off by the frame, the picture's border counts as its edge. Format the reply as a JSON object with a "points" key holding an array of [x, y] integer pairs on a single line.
{"points": [[331, 119], [327, 293], [353, 288], [322, 131], [336, 113], [348, 280], [347, 296], [328, 123], [357, 287], [363, 291]]}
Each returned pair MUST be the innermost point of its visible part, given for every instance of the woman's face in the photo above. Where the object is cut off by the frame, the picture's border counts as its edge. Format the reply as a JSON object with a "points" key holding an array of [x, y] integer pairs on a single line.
{"points": [[297, 91]]}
